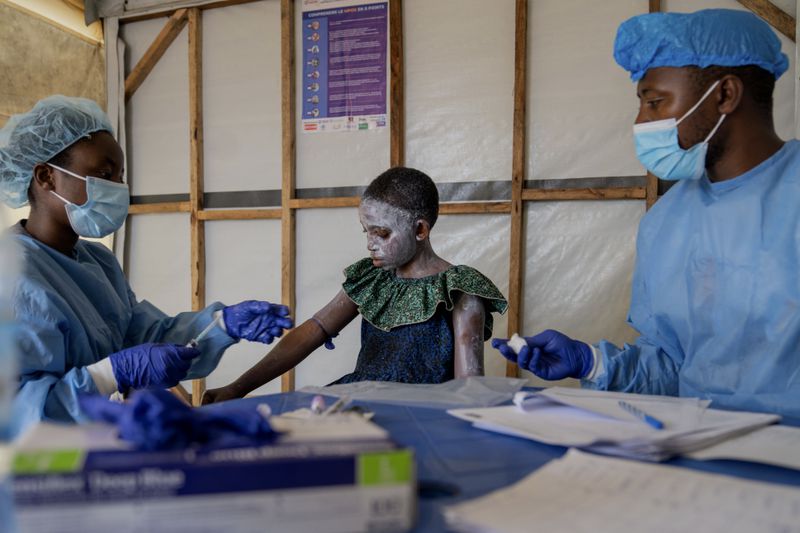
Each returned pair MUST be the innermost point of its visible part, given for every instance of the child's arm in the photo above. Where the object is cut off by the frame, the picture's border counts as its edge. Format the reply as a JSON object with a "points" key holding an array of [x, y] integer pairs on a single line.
{"points": [[468, 319], [291, 350]]}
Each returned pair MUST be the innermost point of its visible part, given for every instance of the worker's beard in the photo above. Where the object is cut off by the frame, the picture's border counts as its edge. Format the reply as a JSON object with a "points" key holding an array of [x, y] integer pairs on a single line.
{"points": [[716, 147]]}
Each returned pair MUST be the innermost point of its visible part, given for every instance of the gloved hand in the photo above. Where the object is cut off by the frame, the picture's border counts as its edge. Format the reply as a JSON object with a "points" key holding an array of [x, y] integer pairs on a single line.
{"points": [[550, 355], [256, 321], [151, 365], [157, 420]]}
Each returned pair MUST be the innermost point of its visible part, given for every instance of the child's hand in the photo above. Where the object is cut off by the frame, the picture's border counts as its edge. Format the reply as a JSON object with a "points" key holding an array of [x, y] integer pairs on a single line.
{"points": [[219, 395]]}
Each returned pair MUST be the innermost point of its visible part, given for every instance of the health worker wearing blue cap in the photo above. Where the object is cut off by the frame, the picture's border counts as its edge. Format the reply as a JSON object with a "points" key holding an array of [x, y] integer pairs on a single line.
{"points": [[79, 327], [716, 289]]}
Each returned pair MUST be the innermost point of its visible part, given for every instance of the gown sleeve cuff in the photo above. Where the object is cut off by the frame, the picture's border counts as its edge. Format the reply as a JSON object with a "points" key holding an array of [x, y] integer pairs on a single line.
{"points": [[598, 369], [102, 374], [219, 317]]}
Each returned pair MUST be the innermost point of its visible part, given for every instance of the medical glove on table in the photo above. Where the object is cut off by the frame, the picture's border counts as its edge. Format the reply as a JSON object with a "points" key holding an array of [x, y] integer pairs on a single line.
{"points": [[158, 420], [256, 321], [151, 365], [550, 355]]}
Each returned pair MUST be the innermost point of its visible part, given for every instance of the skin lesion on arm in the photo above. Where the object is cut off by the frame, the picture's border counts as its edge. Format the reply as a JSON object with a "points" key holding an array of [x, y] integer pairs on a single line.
{"points": [[469, 315]]}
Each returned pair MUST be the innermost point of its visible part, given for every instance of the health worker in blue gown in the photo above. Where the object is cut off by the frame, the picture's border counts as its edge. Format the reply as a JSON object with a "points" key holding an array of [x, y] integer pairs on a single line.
{"points": [[716, 288], [79, 327]]}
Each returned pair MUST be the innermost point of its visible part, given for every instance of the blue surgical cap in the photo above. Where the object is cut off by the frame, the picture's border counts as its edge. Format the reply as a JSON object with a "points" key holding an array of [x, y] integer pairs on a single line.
{"points": [[719, 37], [54, 123]]}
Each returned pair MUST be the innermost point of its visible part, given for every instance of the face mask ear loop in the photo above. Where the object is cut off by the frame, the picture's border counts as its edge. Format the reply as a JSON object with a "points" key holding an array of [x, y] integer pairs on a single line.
{"points": [[65, 171], [62, 198], [719, 123], [695, 106]]}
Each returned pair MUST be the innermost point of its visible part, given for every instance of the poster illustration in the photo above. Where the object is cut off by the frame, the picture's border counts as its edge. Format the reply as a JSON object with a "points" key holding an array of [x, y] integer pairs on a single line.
{"points": [[344, 75]]}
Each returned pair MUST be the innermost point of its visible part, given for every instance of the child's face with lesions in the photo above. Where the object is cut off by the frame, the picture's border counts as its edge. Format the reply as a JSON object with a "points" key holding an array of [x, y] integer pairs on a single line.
{"points": [[391, 236]]}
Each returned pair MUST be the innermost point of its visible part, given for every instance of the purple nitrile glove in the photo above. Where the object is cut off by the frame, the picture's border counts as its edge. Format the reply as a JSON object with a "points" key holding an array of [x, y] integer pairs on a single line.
{"points": [[256, 321], [550, 355], [151, 365], [158, 420]]}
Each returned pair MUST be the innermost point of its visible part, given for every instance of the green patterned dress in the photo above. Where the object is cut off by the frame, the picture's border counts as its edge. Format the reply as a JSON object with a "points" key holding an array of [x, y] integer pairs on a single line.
{"points": [[407, 326]]}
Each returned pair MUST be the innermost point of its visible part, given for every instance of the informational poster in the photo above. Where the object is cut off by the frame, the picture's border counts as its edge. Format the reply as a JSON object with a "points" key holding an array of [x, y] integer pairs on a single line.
{"points": [[344, 65]]}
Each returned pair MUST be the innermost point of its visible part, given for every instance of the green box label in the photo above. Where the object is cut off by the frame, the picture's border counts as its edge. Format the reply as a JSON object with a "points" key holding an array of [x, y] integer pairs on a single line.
{"points": [[48, 462], [385, 468]]}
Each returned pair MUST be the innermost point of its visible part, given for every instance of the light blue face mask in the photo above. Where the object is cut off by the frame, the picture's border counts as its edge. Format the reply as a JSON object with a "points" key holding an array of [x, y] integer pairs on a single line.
{"points": [[104, 211], [658, 150]]}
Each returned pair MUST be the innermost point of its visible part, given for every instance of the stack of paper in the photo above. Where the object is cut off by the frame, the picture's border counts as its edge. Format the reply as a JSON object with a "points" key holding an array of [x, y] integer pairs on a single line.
{"points": [[594, 420], [587, 493], [773, 445]]}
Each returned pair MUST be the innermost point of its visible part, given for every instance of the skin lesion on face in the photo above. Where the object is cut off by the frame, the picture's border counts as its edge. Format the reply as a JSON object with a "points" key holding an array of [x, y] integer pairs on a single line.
{"points": [[391, 235]]}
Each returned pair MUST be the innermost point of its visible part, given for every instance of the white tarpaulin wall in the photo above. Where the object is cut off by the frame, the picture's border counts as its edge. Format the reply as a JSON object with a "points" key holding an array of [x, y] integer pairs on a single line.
{"points": [[459, 73]]}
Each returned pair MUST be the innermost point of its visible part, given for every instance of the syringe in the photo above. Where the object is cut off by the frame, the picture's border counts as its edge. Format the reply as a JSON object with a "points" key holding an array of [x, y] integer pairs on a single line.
{"points": [[195, 341]]}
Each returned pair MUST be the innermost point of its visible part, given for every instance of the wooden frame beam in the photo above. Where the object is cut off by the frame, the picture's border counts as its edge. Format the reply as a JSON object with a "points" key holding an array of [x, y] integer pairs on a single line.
{"points": [[166, 36], [446, 208], [198, 236], [775, 16], [516, 241], [615, 193], [397, 109], [240, 214], [474, 208], [288, 167], [322, 203], [158, 208]]}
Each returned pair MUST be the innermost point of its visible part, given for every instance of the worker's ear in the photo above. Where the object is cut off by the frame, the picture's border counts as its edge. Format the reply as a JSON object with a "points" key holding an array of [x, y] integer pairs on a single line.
{"points": [[43, 178], [731, 90], [422, 229]]}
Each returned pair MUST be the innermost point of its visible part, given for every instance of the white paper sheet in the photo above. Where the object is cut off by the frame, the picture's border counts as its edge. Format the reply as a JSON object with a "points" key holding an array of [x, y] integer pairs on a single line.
{"points": [[774, 445], [594, 420], [587, 493], [304, 426]]}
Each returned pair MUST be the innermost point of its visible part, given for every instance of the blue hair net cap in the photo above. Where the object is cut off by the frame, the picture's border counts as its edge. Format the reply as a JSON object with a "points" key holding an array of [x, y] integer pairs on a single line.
{"points": [[719, 37], [54, 123]]}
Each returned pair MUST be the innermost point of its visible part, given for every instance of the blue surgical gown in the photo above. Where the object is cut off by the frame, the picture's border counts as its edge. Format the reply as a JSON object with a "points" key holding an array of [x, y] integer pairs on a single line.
{"points": [[716, 293], [74, 311]]}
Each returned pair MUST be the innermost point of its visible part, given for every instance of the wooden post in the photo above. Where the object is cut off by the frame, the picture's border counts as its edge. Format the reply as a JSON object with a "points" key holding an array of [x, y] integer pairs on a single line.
{"points": [[198, 260], [651, 189], [288, 225], [517, 244], [397, 82]]}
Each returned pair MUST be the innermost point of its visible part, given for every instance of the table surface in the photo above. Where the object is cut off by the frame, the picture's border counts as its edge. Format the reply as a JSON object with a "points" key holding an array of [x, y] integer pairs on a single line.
{"points": [[456, 462]]}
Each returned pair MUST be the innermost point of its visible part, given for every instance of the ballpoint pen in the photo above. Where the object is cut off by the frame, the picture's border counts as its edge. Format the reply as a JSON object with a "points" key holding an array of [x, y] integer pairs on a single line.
{"points": [[641, 415]]}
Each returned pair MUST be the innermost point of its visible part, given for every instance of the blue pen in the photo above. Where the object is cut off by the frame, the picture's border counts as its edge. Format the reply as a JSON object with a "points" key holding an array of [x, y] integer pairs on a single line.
{"points": [[641, 415]]}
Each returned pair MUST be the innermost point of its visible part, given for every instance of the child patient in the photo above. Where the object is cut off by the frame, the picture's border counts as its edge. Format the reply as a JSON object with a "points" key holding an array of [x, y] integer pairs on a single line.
{"points": [[423, 319]]}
